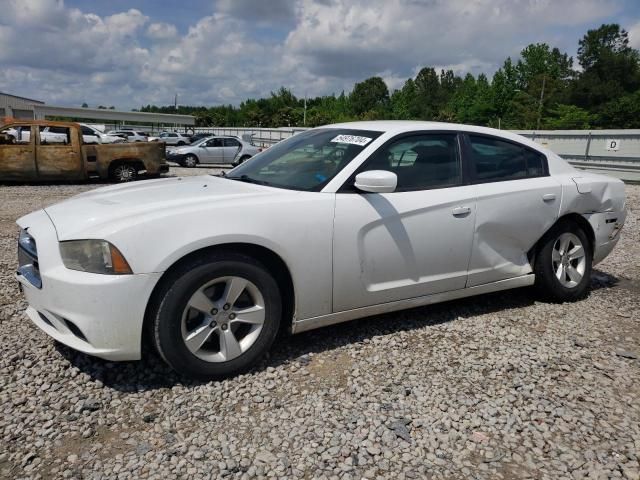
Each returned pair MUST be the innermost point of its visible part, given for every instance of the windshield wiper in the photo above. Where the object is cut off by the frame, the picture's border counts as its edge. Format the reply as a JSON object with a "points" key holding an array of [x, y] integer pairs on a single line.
{"points": [[248, 179]]}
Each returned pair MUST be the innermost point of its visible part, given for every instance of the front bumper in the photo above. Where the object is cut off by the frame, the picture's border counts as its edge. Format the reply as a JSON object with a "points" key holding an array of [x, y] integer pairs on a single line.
{"points": [[100, 315]]}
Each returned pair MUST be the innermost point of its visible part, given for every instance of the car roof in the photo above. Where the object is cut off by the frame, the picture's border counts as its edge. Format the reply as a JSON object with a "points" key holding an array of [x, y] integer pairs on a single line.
{"points": [[401, 126]]}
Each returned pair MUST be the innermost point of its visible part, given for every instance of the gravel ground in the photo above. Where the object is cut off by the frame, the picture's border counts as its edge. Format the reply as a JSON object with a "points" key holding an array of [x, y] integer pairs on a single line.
{"points": [[496, 387]]}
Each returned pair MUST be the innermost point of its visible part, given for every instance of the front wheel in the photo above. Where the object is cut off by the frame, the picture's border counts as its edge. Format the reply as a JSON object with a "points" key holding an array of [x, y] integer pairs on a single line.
{"points": [[563, 264], [190, 161], [218, 316]]}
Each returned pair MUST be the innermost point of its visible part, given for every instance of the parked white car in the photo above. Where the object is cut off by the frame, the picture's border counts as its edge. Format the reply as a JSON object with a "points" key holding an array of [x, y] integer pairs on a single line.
{"points": [[332, 224], [92, 135], [48, 135], [172, 138], [130, 135]]}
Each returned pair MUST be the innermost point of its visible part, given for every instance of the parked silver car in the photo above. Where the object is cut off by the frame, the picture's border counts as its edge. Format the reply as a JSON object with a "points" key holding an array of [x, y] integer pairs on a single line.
{"points": [[213, 150]]}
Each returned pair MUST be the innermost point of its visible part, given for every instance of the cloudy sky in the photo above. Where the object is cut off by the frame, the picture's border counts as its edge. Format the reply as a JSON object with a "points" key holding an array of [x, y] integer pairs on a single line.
{"points": [[129, 53]]}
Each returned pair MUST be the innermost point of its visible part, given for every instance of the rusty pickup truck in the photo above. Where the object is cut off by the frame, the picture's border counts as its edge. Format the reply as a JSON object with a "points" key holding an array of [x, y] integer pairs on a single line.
{"points": [[47, 151]]}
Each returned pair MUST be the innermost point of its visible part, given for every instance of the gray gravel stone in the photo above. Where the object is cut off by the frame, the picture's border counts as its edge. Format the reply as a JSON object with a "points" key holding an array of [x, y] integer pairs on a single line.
{"points": [[500, 386]]}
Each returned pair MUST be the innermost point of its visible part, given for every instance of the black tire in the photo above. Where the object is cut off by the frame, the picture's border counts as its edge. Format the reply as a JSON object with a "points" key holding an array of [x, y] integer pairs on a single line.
{"points": [[242, 159], [181, 143], [547, 283], [174, 295], [190, 161], [124, 172]]}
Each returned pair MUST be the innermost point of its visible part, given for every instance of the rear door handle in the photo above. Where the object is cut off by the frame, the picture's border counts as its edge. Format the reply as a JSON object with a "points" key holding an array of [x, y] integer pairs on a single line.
{"points": [[461, 211], [549, 197]]}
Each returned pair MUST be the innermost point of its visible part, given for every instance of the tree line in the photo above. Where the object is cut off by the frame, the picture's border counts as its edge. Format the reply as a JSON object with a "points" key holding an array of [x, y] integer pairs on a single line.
{"points": [[542, 89]]}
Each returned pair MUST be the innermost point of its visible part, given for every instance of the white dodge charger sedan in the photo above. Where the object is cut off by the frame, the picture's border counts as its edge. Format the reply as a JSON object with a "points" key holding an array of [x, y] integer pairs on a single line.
{"points": [[335, 223]]}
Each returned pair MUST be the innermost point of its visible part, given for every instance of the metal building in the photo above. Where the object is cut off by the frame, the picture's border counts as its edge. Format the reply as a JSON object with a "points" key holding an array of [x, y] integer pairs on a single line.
{"points": [[17, 107], [12, 106]]}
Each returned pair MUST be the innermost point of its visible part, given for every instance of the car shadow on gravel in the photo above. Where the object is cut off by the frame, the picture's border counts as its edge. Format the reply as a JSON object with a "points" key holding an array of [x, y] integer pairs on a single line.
{"points": [[151, 373]]}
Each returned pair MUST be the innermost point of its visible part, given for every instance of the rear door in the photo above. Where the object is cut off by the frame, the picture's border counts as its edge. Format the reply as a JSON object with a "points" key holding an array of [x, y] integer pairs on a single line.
{"points": [[517, 203], [17, 153], [231, 148], [59, 160]]}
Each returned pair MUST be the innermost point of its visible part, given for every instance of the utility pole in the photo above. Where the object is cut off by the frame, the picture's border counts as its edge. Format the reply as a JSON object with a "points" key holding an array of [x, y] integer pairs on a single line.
{"points": [[175, 107], [304, 114], [544, 81]]}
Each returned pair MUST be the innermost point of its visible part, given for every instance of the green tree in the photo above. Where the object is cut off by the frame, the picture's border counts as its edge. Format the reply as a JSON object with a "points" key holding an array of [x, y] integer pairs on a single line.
{"points": [[610, 67], [369, 95], [567, 117], [623, 112]]}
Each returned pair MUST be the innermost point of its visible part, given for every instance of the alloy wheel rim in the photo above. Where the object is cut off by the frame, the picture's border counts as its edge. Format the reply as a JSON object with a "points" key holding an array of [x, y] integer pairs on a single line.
{"points": [[223, 319], [568, 260], [124, 173]]}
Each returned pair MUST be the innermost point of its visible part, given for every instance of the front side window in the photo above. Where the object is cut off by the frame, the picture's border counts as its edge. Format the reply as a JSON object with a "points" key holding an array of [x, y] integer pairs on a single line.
{"points": [[214, 142], [496, 160], [421, 161], [306, 161], [15, 135]]}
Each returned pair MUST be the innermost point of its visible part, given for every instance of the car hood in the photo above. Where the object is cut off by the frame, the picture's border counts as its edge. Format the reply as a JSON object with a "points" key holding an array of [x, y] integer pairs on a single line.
{"points": [[95, 213]]}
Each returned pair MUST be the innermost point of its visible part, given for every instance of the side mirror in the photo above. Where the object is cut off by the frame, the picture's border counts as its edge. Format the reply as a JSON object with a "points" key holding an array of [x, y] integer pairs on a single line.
{"points": [[203, 145], [376, 181]]}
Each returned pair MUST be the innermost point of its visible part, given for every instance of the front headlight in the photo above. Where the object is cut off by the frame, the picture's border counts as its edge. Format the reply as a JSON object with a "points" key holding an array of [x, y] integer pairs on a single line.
{"points": [[93, 256]]}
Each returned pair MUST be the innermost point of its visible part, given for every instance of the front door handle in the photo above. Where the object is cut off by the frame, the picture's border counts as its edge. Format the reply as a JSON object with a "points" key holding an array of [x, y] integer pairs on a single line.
{"points": [[461, 211], [549, 197]]}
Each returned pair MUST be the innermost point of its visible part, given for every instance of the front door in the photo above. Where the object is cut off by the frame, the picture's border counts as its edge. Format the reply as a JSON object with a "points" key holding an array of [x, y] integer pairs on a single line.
{"points": [[412, 242], [17, 153], [212, 151], [58, 154]]}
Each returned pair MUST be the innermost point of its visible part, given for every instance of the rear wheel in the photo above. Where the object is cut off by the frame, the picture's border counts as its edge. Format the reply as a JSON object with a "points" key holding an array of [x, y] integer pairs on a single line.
{"points": [[181, 143], [563, 264], [190, 161], [124, 172], [218, 316]]}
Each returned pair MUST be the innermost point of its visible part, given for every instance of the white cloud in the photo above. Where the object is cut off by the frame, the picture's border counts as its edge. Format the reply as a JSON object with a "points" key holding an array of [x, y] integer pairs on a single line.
{"points": [[246, 48], [162, 31]]}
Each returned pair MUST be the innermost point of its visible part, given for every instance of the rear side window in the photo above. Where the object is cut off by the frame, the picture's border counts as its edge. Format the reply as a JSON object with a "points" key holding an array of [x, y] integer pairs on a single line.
{"points": [[495, 160], [54, 136], [230, 142]]}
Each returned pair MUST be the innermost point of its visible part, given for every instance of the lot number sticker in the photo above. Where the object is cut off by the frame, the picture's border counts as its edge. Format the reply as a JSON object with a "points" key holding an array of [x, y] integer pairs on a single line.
{"points": [[613, 144], [351, 139]]}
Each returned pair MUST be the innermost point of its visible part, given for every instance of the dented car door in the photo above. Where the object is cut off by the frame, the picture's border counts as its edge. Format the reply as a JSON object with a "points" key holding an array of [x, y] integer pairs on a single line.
{"points": [[517, 202]]}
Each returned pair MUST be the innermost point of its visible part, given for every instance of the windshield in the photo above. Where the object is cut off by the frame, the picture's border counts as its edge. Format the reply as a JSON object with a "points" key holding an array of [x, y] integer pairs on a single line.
{"points": [[306, 161]]}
